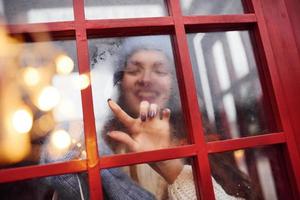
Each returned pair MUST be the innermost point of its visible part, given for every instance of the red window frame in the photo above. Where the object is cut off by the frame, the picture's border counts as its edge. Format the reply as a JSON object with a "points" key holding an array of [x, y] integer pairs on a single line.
{"points": [[278, 88]]}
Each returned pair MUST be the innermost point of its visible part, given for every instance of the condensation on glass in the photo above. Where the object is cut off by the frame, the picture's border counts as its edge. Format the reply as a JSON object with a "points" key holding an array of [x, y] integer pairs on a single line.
{"points": [[130, 70], [40, 103], [67, 186], [36, 11], [167, 179], [211, 7], [256, 173], [229, 91], [116, 9]]}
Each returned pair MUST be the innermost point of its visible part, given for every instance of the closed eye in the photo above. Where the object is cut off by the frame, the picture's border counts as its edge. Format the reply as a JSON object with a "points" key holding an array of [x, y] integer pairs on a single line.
{"points": [[161, 68]]}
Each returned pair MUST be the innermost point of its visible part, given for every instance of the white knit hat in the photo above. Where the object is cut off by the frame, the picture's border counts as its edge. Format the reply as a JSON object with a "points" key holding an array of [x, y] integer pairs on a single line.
{"points": [[132, 44]]}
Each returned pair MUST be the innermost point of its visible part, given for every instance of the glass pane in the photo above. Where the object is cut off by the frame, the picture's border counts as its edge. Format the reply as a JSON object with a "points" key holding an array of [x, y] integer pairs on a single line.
{"points": [[258, 173], [229, 91], [137, 73], [35, 11], [211, 7], [170, 179], [116, 9], [69, 186], [40, 103]]}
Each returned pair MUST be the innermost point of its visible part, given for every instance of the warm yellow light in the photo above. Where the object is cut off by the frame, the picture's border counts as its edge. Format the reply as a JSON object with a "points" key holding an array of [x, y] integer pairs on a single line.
{"points": [[78, 145], [31, 76], [61, 139], [83, 81], [14, 147], [22, 120], [48, 98], [64, 64], [83, 154], [239, 154]]}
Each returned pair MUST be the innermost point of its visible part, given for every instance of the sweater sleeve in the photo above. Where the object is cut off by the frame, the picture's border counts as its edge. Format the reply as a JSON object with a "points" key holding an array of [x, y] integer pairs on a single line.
{"points": [[183, 187], [116, 184]]}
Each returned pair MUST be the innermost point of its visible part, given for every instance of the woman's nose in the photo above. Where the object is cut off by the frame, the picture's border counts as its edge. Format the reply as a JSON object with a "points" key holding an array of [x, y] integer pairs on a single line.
{"points": [[145, 78]]}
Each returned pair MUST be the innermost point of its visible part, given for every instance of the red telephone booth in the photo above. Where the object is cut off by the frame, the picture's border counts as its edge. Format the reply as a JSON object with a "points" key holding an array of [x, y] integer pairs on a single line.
{"points": [[238, 78]]}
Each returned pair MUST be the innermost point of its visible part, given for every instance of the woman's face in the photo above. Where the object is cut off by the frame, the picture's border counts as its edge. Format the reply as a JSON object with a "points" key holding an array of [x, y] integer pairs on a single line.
{"points": [[147, 76]]}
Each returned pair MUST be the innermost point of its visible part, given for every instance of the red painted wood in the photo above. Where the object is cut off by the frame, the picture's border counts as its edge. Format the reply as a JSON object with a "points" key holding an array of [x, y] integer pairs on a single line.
{"points": [[241, 143], [42, 32], [190, 103], [129, 27], [129, 23], [41, 27], [22, 173], [293, 7], [95, 187], [277, 45], [149, 156], [220, 19], [215, 22], [277, 39]]}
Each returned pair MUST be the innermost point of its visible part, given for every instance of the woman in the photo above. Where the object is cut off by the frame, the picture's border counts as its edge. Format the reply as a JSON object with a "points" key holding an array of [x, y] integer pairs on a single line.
{"points": [[145, 118]]}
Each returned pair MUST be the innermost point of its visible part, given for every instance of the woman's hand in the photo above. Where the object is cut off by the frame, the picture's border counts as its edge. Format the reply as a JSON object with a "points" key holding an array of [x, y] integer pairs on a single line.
{"points": [[148, 132]]}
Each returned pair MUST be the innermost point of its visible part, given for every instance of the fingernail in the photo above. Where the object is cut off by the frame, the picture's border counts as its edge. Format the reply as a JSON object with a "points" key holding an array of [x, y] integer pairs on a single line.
{"points": [[108, 99], [143, 117], [110, 133], [152, 114]]}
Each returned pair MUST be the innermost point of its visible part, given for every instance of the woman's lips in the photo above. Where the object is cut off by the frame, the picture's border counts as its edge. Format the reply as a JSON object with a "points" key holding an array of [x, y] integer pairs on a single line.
{"points": [[147, 95]]}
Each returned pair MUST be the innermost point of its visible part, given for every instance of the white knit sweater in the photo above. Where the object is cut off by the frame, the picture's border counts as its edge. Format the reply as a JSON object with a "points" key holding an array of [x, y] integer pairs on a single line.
{"points": [[184, 188]]}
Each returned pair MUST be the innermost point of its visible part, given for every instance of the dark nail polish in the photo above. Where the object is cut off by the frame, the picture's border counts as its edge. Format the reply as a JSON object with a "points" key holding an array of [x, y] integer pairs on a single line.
{"points": [[150, 114], [108, 99], [143, 117], [154, 113]]}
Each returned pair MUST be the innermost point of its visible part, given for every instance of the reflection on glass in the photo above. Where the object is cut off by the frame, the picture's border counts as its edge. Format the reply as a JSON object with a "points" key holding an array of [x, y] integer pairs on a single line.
{"points": [[40, 103], [31, 11], [169, 179], [138, 74], [69, 186], [211, 7], [251, 173], [116, 9], [229, 91]]}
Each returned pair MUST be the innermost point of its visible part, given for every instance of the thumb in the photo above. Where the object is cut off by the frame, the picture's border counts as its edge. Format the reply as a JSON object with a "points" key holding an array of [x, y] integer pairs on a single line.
{"points": [[123, 138]]}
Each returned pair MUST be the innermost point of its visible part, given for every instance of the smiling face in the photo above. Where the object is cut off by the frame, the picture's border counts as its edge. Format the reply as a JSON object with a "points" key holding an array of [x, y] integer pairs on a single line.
{"points": [[147, 76]]}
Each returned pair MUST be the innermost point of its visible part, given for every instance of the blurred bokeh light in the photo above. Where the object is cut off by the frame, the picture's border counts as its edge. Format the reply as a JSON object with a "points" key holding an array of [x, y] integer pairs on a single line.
{"points": [[48, 98], [61, 139], [31, 76], [22, 120], [83, 81], [64, 64]]}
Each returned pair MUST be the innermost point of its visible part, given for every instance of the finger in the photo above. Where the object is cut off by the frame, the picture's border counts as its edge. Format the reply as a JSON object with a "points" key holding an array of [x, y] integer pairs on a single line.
{"points": [[123, 138], [120, 114], [152, 110], [166, 114], [144, 107]]}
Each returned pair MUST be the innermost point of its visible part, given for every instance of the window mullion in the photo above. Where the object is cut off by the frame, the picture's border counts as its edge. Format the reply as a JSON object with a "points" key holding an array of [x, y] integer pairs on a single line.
{"points": [[190, 103], [95, 187]]}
